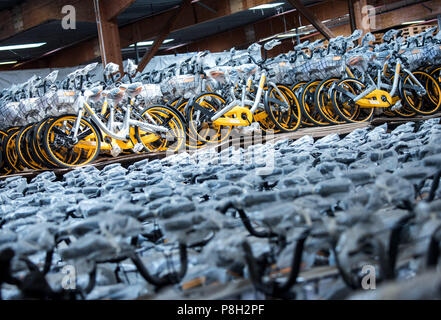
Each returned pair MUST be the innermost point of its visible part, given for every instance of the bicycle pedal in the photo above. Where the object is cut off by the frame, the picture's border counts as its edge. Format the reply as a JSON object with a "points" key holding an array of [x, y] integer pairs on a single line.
{"points": [[115, 150], [254, 127], [138, 147], [397, 105]]}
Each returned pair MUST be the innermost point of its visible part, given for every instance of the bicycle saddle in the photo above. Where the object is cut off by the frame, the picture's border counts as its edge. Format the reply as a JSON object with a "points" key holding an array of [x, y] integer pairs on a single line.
{"points": [[254, 47], [389, 35], [93, 93], [271, 44], [132, 89], [368, 37], [355, 35], [301, 45], [116, 93], [51, 77], [88, 69], [428, 33], [131, 68]]}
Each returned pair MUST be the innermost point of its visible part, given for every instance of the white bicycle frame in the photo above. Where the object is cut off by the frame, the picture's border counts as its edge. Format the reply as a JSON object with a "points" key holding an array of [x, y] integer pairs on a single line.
{"points": [[127, 123], [393, 88], [245, 102]]}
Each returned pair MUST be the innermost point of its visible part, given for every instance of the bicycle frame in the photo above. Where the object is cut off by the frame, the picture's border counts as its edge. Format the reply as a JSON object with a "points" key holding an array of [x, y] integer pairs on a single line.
{"points": [[243, 102], [123, 134], [383, 99]]}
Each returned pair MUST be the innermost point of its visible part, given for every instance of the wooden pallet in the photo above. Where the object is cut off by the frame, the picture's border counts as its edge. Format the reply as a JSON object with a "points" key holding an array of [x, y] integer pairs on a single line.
{"points": [[378, 38], [414, 30], [407, 32]]}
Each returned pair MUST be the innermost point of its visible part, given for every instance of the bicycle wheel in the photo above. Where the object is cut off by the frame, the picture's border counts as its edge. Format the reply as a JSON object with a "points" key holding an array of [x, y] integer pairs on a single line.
{"points": [[21, 145], [426, 104], [322, 100], [167, 117], [179, 104], [30, 149], [191, 140], [61, 147], [11, 157], [309, 109], [6, 168], [199, 115], [343, 104], [261, 116], [436, 73], [404, 111], [297, 89], [287, 118], [37, 144], [3, 135]]}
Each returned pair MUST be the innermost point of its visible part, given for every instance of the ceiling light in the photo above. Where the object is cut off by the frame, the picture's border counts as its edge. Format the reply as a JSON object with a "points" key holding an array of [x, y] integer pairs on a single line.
{"points": [[299, 28], [413, 22], [267, 6], [22, 46], [144, 43], [8, 62], [149, 43], [287, 35]]}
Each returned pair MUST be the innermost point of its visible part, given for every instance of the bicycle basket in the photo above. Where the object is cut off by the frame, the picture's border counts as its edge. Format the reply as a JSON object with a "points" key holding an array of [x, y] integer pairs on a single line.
{"points": [[433, 52], [29, 111], [331, 66], [415, 57], [151, 93], [182, 85], [245, 71], [60, 102], [303, 72], [218, 75], [280, 72], [8, 114]]}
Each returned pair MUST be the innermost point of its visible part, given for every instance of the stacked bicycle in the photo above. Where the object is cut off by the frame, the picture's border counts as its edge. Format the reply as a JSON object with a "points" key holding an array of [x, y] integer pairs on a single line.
{"points": [[113, 120], [50, 124]]}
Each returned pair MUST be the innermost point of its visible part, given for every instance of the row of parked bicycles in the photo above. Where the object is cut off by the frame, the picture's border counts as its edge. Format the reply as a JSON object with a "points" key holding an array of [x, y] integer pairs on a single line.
{"points": [[47, 124]]}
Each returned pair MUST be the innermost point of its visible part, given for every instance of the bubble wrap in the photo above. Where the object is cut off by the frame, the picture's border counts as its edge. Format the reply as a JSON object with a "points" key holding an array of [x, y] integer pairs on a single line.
{"points": [[218, 76], [415, 57], [182, 85], [245, 71], [60, 102], [8, 114]]}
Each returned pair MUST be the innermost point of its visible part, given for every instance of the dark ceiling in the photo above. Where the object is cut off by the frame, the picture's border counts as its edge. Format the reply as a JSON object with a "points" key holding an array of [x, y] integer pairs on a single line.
{"points": [[56, 37], [7, 4]]}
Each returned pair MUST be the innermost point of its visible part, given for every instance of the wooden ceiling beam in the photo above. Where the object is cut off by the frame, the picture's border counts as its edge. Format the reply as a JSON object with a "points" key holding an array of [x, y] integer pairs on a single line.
{"points": [[108, 32], [310, 16], [167, 28], [115, 7], [425, 10], [32, 13], [141, 30]]}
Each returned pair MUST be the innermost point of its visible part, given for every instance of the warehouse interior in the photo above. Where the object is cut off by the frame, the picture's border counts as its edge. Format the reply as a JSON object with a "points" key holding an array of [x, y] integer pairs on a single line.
{"points": [[220, 149], [205, 25]]}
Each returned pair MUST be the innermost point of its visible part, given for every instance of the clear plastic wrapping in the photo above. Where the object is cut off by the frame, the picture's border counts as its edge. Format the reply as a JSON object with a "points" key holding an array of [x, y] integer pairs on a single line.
{"points": [[181, 86]]}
